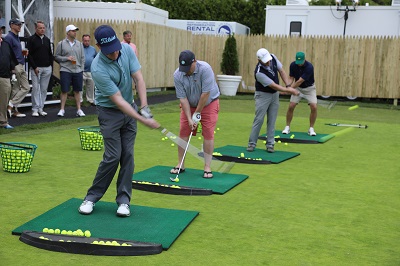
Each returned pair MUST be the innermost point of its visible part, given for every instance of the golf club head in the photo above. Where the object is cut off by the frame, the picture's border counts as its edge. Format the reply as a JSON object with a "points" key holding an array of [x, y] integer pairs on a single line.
{"points": [[176, 179], [331, 105]]}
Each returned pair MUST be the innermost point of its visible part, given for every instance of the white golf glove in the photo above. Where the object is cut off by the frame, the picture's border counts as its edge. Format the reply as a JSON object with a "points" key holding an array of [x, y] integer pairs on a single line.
{"points": [[196, 117], [145, 112], [13, 78]]}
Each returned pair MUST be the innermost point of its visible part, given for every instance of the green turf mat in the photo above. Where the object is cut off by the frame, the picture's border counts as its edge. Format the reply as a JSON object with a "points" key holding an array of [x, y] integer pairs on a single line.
{"points": [[146, 224], [236, 152], [191, 178], [299, 137]]}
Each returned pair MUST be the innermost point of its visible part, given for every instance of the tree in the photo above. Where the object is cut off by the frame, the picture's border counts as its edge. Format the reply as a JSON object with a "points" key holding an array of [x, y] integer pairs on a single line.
{"points": [[230, 58]]}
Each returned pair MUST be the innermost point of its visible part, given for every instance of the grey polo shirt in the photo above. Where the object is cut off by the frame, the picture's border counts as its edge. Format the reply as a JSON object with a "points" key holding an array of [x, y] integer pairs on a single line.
{"points": [[191, 87]]}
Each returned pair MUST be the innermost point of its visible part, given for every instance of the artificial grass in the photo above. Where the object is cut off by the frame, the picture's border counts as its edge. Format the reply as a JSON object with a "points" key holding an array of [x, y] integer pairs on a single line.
{"points": [[336, 204], [193, 178], [146, 224]]}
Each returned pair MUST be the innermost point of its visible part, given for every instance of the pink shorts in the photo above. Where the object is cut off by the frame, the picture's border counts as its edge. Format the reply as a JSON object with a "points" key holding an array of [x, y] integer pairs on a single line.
{"points": [[209, 118]]}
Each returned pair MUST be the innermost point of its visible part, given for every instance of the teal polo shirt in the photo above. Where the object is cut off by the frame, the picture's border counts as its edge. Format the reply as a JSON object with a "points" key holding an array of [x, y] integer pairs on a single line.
{"points": [[111, 76]]}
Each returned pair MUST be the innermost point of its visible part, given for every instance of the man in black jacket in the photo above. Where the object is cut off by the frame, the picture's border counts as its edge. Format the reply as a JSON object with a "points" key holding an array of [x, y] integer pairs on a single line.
{"points": [[40, 61], [7, 64]]}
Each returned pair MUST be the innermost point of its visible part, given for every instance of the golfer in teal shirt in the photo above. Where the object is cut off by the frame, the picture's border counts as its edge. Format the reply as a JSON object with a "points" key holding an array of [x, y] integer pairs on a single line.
{"points": [[114, 75], [112, 71]]}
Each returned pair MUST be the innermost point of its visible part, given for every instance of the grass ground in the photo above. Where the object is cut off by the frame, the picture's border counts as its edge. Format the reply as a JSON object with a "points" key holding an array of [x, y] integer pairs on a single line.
{"points": [[338, 203]]}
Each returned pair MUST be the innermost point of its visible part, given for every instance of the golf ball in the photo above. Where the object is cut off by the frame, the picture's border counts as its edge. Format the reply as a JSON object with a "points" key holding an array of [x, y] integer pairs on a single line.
{"points": [[353, 107]]}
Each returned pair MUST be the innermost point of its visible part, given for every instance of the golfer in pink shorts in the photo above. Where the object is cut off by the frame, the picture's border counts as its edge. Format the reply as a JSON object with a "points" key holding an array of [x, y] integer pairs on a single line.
{"points": [[198, 93]]}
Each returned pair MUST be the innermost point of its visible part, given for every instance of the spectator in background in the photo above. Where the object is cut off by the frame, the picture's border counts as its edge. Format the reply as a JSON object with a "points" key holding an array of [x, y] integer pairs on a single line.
{"points": [[267, 97], [2, 24], [41, 62], [127, 39], [90, 54], [21, 87], [70, 56], [8, 61]]}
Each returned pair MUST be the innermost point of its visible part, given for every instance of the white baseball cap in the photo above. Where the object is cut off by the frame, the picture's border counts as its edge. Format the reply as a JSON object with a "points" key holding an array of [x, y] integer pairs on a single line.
{"points": [[263, 55], [71, 27]]}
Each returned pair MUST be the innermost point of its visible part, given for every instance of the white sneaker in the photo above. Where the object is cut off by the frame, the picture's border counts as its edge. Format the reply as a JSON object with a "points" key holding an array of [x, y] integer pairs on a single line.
{"points": [[61, 113], [311, 132], [286, 130], [42, 113], [80, 113], [123, 210], [35, 114], [86, 207]]}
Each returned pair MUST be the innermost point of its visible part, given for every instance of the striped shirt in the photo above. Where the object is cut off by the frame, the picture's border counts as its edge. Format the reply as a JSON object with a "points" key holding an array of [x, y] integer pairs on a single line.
{"points": [[191, 87]]}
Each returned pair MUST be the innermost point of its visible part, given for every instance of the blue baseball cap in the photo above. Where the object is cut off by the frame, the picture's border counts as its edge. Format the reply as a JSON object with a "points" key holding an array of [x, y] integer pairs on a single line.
{"points": [[107, 39], [15, 21], [186, 58]]}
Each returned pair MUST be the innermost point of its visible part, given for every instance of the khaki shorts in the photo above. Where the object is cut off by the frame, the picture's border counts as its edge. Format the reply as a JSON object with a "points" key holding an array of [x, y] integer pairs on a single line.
{"points": [[310, 94]]}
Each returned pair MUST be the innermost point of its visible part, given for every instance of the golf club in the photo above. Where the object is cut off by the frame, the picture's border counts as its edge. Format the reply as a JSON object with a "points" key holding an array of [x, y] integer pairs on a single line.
{"points": [[217, 165], [15, 145], [176, 179], [326, 104], [346, 125]]}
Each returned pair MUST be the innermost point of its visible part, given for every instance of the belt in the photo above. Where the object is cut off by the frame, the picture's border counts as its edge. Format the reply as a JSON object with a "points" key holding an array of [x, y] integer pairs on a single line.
{"points": [[214, 99]]}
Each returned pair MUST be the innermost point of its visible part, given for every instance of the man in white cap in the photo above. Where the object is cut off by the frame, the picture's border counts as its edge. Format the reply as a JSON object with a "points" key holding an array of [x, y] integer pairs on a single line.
{"points": [[71, 57], [112, 71], [267, 97]]}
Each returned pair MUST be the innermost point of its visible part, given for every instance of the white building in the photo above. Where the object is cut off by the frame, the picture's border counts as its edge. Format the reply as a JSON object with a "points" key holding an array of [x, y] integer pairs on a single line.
{"points": [[298, 18]]}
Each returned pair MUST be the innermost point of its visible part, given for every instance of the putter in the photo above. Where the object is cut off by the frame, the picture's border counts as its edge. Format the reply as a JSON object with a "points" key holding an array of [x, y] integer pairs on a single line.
{"points": [[216, 165], [176, 179], [347, 125]]}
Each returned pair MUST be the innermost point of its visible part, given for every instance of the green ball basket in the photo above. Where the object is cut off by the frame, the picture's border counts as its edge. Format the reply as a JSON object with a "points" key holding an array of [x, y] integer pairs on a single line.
{"points": [[91, 138], [17, 157]]}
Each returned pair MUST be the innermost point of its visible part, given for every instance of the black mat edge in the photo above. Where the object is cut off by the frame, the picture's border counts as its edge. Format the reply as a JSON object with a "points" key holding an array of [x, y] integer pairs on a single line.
{"points": [[170, 189], [83, 245], [289, 140], [227, 158]]}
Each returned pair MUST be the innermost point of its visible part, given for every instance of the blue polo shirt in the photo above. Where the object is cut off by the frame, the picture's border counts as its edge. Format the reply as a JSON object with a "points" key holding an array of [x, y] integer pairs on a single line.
{"points": [[15, 43], [90, 54], [111, 76], [305, 72]]}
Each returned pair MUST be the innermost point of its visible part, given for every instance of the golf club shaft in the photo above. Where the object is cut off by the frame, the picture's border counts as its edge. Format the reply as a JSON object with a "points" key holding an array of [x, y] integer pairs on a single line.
{"points": [[347, 125], [184, 154], [217, 165], [326, 104]]}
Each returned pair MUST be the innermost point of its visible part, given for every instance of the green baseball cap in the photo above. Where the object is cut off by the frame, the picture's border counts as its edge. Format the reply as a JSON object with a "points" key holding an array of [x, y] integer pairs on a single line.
{"points": [[300, 58]]}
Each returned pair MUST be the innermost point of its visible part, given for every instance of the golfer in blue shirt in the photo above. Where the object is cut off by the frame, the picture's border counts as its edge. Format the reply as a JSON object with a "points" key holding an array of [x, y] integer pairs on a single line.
{"points": [[112, 71]]}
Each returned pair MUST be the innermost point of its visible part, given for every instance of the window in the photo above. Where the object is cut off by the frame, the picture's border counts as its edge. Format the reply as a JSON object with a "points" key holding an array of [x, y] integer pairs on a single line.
{"points": [[295, 28]]}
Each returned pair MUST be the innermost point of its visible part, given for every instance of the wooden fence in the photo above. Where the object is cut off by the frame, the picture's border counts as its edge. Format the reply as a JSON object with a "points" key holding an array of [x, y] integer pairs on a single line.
{"points": [[350, 66]]}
